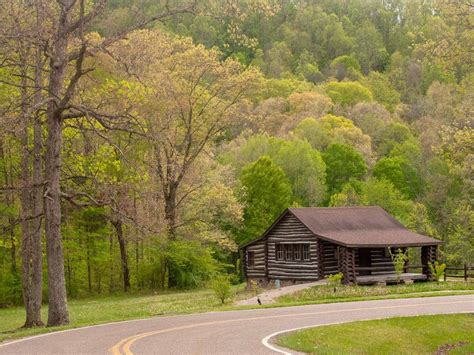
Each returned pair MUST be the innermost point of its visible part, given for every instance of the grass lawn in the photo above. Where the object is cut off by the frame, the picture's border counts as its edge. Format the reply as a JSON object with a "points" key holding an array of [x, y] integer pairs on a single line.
{"points": [[407, 335], [325, 294], [103, 309]]}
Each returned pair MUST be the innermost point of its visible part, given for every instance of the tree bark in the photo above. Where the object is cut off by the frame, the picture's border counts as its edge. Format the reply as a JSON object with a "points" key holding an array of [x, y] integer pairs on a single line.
{"points": [[58, 311], [31, 205], [118, 225]]}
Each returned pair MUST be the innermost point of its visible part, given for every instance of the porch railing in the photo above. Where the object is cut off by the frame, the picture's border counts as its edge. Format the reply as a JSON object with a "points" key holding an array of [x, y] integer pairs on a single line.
{"points": [[466, 272]]}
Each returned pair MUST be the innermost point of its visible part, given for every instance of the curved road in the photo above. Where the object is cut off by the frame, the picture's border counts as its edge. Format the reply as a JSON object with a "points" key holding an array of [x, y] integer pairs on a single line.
{"points": [[233, 332]]}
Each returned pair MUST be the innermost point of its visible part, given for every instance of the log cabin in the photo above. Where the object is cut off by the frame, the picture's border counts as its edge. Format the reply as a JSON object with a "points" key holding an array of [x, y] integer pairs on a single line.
{"points": [[311, 243]]}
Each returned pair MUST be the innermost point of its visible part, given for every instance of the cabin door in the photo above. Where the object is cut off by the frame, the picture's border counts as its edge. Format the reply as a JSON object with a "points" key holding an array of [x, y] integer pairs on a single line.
{"points": [[364, 260]]}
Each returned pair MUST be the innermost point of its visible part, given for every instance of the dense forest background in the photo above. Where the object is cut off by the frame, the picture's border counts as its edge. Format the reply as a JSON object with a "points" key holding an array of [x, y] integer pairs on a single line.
{"points": [[188, 137]]}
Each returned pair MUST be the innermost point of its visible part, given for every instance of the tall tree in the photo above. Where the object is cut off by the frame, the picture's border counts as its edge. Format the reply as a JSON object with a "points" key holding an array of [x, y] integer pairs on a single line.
{"points": [[67, 44], [266, 193]]}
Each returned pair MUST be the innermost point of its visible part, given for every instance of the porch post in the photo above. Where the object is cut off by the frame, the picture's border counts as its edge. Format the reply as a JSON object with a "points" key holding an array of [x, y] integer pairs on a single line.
{"points": [[320, 259], [407, 262], [428, 255], [346, 264]]}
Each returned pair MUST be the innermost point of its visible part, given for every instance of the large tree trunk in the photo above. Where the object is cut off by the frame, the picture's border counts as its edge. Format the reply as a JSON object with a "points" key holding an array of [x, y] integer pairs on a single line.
{"points": [[170, 198], [123, 253], [58, 312], [34, 317], [31, 208]]}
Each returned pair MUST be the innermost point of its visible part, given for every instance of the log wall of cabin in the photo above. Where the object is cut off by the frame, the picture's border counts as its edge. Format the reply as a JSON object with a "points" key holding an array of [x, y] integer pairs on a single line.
{"points": [[381, 258], [291, 231], [330, 263], [258, 270]]}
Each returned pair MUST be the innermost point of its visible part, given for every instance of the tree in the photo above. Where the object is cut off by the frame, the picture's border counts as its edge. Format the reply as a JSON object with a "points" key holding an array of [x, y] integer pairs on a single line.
{"points": [[459, 245], [382, 90], [66, 41], [348, 196], [345, 66], [22, 81], [348, 93], [399, 259], [369, 48], [310, 104], [334, 129], [401, 173], [266, 192], [305, 170], [222, 287], [382, 193], [342, 164], [280, 60], [198, 106], [393, 134]]}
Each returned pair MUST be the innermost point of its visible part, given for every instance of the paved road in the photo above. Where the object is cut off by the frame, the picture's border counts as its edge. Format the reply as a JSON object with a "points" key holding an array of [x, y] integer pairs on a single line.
{"points": [[235, 332]]}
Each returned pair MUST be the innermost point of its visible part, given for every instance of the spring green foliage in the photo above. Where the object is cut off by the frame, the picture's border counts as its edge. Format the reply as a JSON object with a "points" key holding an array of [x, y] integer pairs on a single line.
{"points": [[437, 270], [400, 173], [335, 280], [342, 163], [266, 193], [399, 259], [348, 93], [291, 103], [305, 170], [221, 287]]}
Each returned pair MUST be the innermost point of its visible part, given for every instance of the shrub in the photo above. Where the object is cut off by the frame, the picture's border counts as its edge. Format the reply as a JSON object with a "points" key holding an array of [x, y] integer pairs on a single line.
{"points": [[437, 270], [254, 287], [222, 288], [398, 259], [335, 280]]}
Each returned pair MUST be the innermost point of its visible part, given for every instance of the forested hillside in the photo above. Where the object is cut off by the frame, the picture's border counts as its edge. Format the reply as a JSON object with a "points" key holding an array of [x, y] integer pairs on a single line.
{"points": [[141, 144]]}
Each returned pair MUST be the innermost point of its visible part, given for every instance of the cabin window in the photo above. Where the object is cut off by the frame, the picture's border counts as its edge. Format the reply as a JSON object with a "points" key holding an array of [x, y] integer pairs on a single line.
{"points": [[306, 255], [292, 252], [297, 251], [280, 255], [251, 258], [289, 252]]}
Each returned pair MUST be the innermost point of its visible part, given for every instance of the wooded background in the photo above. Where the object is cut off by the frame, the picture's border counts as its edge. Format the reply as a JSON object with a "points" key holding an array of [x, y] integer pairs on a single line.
{"points": [[142, 141]]}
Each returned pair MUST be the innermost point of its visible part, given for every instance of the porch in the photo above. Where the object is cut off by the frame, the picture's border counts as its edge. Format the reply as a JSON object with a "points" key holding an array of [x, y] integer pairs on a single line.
{"points": [[408, 277], [374, 265]]}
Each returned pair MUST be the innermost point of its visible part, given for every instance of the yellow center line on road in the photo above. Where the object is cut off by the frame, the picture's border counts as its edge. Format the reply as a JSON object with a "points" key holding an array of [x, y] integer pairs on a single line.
{"points": [[123, 346]]}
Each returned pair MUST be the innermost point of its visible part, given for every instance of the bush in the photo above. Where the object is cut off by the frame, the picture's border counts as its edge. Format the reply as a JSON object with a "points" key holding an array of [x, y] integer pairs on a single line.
{"points": [[437, 270], [399, 259], [222, 288], [335, 280]]}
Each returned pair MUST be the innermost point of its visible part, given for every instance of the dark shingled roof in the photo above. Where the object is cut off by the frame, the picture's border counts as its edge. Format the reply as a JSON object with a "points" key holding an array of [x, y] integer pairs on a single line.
{"points": [[359, 227]]}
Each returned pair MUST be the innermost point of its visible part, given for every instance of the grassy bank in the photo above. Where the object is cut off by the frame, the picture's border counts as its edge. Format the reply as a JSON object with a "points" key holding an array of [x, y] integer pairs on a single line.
{"points": [[426, 334], [326, 294], [104, 309]]}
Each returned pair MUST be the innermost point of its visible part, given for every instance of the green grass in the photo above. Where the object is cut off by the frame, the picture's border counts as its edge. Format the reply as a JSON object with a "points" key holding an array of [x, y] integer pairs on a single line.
{"points": [[407, 335], [104, 309], [325, 294]]}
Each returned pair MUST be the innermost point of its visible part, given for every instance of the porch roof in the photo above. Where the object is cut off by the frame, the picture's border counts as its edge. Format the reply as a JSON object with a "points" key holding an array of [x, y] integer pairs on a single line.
{"points": [[360, 227]]}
